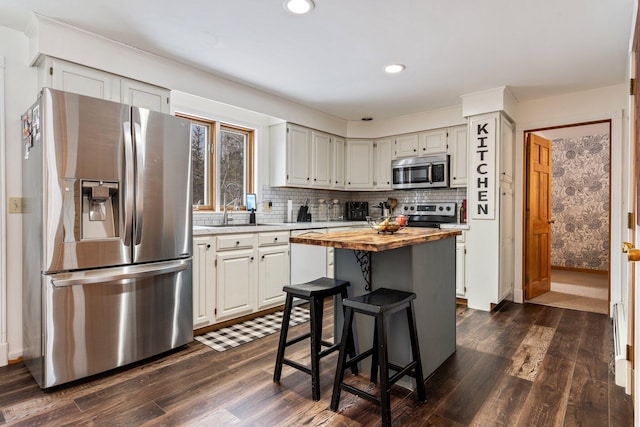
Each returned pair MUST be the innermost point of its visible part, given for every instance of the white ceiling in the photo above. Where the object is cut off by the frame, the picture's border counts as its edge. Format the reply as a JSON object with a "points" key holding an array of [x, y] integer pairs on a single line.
{"points": [[332, 59]]}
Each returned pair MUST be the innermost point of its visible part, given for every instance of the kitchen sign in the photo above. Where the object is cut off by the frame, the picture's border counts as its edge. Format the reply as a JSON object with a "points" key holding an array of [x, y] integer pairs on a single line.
{"points": [[482, 187]]}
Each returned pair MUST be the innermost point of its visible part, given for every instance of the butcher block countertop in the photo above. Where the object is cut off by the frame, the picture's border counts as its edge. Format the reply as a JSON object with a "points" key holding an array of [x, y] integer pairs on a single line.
{"points": [[370, 240]]}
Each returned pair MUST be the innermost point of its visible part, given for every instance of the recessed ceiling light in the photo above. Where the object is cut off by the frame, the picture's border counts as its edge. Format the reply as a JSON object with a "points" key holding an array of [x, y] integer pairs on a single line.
{"points": [[394, 68], [299, 7]]}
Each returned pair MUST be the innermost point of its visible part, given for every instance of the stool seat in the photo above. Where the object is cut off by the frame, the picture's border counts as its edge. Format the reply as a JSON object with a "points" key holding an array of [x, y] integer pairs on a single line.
{"points": [[379, 301], [321, 287], [315, 292], [379, 304]]}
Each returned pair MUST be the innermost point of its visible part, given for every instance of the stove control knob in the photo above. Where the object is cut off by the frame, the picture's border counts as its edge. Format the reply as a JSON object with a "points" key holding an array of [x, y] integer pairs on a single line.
{"points": [[448, 208], [440, 208], [406, 208], [412, 208]]}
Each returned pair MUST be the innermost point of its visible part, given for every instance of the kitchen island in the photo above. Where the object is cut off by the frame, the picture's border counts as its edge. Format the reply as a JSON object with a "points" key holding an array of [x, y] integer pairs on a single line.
{"points": [[418, 260]]}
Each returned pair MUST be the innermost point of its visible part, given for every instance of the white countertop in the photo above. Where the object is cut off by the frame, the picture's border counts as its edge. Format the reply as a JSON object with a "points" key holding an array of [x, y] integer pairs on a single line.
{"points": [[199, 230], [454, 226]]}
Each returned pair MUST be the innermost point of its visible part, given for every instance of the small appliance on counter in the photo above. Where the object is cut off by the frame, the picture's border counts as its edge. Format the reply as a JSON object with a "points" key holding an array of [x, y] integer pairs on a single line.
{"points": [[356, 211]]}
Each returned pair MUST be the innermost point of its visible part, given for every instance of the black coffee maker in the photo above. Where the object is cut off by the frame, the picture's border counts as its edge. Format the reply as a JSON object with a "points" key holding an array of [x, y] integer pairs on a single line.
{"points": [[356, 211]]}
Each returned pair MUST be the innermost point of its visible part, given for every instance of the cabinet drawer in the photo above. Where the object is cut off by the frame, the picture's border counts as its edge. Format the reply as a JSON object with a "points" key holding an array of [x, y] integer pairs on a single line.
{"points": [[273, 238], [234, 241]]}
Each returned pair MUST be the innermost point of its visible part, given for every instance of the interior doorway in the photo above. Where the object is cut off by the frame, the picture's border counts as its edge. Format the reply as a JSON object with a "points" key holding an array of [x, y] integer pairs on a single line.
{"points": [[580, 218]]}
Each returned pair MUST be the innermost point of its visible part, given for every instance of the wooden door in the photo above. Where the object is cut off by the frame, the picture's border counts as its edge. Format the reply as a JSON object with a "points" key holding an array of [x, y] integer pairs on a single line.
{"points": [[538, 217]]}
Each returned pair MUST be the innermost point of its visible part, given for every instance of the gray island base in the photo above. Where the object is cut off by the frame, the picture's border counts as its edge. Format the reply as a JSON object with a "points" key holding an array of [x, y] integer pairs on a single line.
{"points": [[418, 260]]}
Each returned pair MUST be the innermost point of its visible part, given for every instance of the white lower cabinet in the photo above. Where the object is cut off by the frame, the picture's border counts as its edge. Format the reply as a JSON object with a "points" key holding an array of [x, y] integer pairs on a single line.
{"points": [[236, 282], [238, 274], [273, 268], [203, 281], [461, 259]]}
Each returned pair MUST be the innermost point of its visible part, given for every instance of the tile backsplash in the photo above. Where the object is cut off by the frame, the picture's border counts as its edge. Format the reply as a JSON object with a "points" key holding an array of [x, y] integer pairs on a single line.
{"points": [[278, 196]]}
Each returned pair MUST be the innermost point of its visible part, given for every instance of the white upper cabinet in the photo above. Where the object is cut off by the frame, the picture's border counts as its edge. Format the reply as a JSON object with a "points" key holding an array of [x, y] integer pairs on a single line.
{"points": [[432, 142], [303, 157], [458, 147], [339, 147], [321, 159], [383, 153], [144, 95], [359, 165], [405, 145], [298, 155], [74, 78]]}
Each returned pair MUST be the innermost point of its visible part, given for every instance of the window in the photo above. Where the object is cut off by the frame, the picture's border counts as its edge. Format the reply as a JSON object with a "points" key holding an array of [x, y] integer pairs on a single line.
{"points": [[230, 171]]}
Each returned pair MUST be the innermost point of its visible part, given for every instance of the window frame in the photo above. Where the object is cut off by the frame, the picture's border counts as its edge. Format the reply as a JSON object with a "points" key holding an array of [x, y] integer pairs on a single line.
{"points": [[211, 157]]}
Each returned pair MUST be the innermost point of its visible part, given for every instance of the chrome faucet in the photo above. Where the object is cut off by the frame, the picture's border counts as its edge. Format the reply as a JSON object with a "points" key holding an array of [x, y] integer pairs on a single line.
{"points": [[225, 215]]}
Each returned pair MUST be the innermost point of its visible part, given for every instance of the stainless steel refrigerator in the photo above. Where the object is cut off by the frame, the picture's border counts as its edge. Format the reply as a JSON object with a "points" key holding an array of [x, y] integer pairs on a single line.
{"points": [[106, 235]]}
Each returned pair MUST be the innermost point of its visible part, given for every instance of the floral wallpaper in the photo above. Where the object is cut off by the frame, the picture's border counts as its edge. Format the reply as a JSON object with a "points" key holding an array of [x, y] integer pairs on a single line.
{"points": [[580, 202]]}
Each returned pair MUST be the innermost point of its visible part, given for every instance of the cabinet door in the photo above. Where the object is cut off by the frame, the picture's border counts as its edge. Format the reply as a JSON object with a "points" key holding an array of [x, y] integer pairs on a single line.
{"points": [[321, 151], [506, 151], [406, 145], [144, 95], [461, 254], [235, 283], [298, 154], [433, 142], [203, 281], [458, 156], [82, 80], [273, 274], [338, 162], [383, 151], [359, 169]]}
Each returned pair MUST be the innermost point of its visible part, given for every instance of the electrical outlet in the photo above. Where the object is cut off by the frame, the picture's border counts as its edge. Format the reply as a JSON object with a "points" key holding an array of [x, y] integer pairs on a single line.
{"points": [[15, 205], [267, 206]]}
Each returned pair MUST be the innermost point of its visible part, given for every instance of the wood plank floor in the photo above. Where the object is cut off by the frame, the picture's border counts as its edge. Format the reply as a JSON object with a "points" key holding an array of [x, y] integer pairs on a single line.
{"points": [[522, 365]]}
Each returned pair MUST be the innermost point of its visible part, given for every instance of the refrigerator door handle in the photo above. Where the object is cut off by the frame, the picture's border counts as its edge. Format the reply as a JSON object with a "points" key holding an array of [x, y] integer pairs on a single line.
{"points": [[120, 273], [128, 195], [139, 139]]}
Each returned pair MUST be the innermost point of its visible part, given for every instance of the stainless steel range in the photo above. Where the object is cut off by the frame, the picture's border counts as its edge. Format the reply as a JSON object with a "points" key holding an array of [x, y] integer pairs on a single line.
{"points": [[431, 215]]}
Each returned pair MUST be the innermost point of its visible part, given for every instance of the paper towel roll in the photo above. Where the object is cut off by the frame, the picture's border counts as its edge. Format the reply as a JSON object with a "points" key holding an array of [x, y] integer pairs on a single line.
{"points": [[289, 210]]}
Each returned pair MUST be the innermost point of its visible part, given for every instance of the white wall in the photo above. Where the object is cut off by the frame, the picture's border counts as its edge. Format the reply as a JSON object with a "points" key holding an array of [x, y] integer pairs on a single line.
{"points": [[20, 92]]}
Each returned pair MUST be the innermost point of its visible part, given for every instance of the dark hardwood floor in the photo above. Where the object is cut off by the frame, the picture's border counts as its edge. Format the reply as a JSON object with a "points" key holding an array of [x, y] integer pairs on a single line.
{"points": [[520, 365]]}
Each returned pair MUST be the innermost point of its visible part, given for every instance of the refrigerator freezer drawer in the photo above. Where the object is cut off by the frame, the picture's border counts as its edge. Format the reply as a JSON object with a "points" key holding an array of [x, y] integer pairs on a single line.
{"points": [[99, 320]]}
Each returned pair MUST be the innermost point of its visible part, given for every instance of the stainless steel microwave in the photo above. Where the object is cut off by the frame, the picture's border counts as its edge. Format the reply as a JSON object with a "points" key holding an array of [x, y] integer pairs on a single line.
{"points": [[420, 172]]}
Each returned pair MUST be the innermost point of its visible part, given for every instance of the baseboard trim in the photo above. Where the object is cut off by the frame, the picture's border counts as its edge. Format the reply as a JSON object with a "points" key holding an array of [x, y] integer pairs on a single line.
{"points": [[580, 270]]}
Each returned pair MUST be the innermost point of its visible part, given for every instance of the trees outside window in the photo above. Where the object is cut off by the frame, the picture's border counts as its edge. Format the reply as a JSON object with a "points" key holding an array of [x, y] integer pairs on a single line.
{"points": [[222, 164]]}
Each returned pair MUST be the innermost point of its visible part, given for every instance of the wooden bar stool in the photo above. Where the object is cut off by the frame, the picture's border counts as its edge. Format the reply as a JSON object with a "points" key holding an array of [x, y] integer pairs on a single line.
{"points": [[378, 304], [315, 292]]}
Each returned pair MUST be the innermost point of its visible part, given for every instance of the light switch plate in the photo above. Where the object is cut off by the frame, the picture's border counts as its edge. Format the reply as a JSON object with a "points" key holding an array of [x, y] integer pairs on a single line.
{"points": [[15, 205]]}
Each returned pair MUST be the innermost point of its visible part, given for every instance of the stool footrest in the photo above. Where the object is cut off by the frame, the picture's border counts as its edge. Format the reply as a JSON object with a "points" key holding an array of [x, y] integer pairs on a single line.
{"points": [[356, 359], [297, 339], [297, 365], [361, 393], [331, 349], [407, 370]]}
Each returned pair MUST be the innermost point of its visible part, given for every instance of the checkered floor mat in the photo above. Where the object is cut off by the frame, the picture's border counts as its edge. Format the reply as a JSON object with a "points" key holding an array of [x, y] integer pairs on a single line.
{"points": [[249, 330]]}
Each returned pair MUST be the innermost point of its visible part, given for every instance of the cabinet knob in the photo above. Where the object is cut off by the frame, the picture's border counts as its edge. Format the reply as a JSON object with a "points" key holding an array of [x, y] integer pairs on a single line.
{"points": [[262, 256], [237, 243], [251, 258], [208, 245], [276, 239]]}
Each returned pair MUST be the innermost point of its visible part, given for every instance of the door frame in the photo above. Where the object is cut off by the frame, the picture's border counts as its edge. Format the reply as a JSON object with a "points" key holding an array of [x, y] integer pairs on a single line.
{"points": [[525, 192]]}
